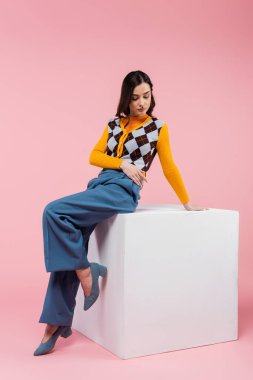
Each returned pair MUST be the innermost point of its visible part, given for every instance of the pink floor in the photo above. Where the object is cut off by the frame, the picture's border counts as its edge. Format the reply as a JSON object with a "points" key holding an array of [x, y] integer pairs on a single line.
{"points": [[77, 355], [61, 67]]}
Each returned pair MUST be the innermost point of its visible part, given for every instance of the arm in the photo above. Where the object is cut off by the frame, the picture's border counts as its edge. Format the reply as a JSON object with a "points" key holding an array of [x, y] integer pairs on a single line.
{"points": [[169, 167], [98, 157]]}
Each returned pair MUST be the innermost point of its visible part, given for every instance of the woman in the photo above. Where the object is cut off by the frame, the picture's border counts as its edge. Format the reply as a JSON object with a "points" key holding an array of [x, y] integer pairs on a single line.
{"points": [[125, 151]]}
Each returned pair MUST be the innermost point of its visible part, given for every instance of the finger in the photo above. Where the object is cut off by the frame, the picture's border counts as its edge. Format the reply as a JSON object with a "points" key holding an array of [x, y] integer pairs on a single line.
{"points": [[143, 179], [139, 178], [137, 181], [143, 176]]}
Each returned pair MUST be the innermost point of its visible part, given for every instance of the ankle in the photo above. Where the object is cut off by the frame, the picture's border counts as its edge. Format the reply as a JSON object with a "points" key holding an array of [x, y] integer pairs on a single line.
{"points": [[83, 272], [50, 329]]}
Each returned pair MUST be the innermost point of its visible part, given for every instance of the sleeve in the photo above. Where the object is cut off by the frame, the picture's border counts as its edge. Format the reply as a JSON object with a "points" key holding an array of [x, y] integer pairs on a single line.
{"points": [[169, 167], [98, 157]]}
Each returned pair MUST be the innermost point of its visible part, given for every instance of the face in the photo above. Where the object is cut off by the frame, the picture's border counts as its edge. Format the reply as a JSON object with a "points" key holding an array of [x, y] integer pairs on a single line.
{"points": [[140, 100]]}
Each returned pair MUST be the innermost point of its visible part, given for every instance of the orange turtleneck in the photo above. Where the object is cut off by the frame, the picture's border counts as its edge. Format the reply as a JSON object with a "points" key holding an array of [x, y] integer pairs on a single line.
{"points": [[134, 121], [98, 157]]}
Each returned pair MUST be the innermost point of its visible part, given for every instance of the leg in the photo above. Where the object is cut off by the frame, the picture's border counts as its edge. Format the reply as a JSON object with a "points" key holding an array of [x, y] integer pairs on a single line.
{"points": [[67, 225], [59, 304], [69, 221], [61, 292]]}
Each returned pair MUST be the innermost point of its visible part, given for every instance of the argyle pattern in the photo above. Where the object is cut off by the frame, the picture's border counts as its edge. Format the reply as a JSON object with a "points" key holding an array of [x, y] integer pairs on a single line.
{"points": [[139, 147]]}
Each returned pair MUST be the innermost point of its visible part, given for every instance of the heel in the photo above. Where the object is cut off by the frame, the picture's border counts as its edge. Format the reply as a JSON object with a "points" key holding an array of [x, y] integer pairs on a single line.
{"points": [[96, 271], [102, 270], [66, 332]]}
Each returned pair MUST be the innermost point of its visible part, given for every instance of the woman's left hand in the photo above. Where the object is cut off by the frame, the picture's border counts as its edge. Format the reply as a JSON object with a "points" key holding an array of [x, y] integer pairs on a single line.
{"points": [[189, 207]]}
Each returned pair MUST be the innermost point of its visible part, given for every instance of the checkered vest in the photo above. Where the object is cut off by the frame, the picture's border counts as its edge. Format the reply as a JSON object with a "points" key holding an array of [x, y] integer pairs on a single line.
{"points": [[140, 144]]}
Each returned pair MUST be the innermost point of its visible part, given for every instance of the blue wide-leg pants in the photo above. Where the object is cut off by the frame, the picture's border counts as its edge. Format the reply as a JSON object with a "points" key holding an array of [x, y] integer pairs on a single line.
{"points": [[67, 225]]}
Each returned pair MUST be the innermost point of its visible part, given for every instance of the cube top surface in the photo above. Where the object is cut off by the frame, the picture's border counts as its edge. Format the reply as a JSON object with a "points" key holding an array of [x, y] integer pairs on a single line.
{"points": [[174, 208]]}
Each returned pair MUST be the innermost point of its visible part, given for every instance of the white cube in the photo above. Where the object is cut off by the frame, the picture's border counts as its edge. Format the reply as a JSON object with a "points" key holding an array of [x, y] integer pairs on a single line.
{"points": [[172, 280]]}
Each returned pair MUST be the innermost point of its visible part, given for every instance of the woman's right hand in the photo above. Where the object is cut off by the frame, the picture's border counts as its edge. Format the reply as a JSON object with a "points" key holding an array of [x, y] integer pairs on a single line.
{"points": [[133, 172]]}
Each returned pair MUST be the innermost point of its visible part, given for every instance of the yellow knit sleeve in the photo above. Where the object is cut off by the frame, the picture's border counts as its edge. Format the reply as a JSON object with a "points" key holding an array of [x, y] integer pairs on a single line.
{"points": [[169, 167], [98, 157]]}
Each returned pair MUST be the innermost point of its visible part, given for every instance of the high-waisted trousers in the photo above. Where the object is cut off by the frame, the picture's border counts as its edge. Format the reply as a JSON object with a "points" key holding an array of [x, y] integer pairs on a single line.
{"points": [[67, 225]]}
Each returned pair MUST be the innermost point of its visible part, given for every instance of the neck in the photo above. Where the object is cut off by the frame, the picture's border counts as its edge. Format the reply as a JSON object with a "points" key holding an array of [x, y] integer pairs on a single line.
{"points": [[143, 116]]}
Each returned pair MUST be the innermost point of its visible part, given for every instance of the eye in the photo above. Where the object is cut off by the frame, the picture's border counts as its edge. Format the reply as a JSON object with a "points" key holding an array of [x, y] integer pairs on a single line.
{"points": [[145, 97]]}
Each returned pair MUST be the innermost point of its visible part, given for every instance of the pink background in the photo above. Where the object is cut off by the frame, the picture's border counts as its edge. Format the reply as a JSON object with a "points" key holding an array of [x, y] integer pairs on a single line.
{"points": [[61, 68]]}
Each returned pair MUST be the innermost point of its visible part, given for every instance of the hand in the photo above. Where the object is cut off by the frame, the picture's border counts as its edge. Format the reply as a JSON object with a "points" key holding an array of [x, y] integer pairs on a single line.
{"points": [[133, 172], [189, 207]]}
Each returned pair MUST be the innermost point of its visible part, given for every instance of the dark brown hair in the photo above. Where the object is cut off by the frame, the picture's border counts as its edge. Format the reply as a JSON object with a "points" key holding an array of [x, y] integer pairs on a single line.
{"points": [[131, 80]]}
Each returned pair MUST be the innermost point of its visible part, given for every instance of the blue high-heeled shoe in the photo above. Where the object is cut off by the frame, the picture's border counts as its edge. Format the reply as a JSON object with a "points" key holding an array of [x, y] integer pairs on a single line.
{"points": [[96, 271], [47, 346]]}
